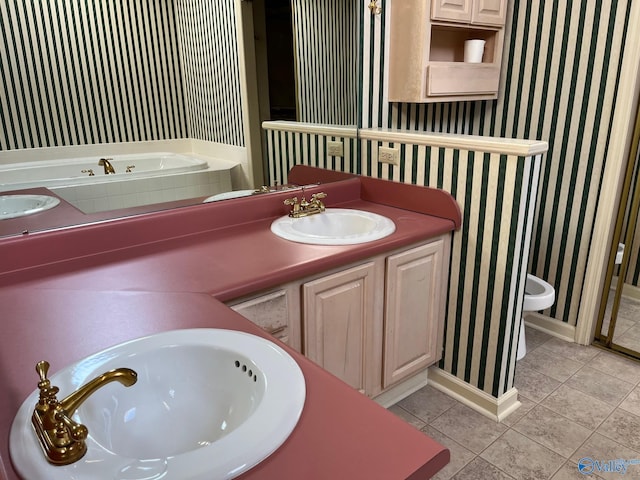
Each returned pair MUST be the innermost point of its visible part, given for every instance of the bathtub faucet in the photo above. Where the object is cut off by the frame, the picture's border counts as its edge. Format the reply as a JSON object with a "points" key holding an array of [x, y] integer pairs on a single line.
{"points": [[108, 168]]}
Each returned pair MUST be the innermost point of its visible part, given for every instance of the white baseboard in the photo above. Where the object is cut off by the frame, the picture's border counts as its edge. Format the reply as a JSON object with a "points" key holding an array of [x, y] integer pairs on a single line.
{"points": [[494, 408], [551, 326], [402, 390]]}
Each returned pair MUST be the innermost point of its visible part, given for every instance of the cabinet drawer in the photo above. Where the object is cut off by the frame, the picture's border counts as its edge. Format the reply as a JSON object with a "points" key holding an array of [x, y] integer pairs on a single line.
{"points": [[462, 79], [278, 313]]}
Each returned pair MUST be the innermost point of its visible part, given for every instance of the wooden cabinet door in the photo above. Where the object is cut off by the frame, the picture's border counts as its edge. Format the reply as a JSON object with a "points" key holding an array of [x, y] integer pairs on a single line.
{"points": [[489, 12], [413, 308], [451, 10], [338, 312]]}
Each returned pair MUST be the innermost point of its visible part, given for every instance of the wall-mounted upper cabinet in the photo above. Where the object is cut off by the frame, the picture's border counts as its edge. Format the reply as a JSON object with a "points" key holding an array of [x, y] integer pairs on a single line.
{"points": [[480, 12], [427, 42]]}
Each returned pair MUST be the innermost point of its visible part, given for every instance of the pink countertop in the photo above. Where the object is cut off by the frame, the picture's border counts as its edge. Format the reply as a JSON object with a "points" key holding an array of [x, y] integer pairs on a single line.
{"points": [[79, 297]]}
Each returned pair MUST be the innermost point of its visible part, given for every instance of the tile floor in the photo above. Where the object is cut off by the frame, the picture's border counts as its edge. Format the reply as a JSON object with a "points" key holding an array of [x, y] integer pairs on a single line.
{"points": [[577, 402], [627, 332]]}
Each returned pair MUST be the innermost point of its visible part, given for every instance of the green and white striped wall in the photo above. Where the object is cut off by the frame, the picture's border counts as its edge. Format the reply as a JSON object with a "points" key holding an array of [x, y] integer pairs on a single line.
{"points": [[89, 72], [209, 59], [561, 68], [291, 143], [489, 253], [560, 73], [326, 60]]}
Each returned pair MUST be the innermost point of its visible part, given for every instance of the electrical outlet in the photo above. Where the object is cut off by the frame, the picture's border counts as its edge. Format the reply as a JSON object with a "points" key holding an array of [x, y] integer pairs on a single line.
{"points": [[334, 148], [389, 155]]}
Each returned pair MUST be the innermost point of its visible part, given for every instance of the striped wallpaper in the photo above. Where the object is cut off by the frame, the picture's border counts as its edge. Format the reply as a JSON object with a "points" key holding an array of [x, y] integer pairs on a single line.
{"points": [[326, 52], [559, 83], [87, 72], [284, 149], [209, 57], [494, 192], [487, 262], [559, 80], [78, 72]]}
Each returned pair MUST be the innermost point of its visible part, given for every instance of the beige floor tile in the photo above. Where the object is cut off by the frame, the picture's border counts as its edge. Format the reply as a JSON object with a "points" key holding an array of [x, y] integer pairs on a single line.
{"points": [[599, 385], [629, 308], [632, 403], [520, 412], [622, 427], [569, 350], [554, 366], [460, 456], [427, 403], [602, 449], [569, 471], [533, 384], [552, 430], [522, 458], [406, 416], [584, 409], [617, 366], [629, 338], [469, 428], [481, 469], [535, 337], [622, 325]]}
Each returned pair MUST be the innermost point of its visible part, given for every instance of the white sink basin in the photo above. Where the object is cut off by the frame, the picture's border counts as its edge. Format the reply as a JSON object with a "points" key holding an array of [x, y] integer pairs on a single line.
{"points": [[12, 206], [228, 195], [208, 404], [334, 226]]}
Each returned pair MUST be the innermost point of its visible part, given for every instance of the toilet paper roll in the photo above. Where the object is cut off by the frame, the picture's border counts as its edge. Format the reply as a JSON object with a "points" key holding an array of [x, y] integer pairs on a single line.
{"points": [[473, 51]]}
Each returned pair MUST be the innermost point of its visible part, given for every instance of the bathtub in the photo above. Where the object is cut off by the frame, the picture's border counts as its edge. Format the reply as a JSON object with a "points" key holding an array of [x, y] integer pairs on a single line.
{"points": [[57, 173], [153, 178]]}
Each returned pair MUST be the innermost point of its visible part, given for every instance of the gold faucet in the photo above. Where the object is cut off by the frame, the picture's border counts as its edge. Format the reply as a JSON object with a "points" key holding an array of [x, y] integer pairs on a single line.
{"points": [[61, 438], [106, 163], [305, 208]]}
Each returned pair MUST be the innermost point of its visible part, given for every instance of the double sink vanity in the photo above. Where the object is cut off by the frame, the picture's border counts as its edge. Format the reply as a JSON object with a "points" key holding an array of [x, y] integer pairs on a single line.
{"points": [[323, 309]]}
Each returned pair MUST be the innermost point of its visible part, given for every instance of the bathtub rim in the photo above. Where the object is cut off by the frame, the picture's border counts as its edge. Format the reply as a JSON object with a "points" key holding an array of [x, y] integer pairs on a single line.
{"points": [[201, 163]]}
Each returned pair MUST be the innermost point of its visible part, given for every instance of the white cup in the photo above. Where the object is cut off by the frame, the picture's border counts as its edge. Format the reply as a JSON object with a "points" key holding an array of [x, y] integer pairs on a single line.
{"points": [[473, 50]]}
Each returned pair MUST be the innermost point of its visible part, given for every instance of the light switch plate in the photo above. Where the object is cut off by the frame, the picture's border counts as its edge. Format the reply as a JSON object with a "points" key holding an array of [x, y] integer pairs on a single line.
{"points": [[389, 155]]}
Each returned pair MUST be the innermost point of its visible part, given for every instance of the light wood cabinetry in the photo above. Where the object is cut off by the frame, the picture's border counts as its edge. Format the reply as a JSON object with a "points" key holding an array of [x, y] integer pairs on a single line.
{"points": [[277, 312], [489, 12], [339, 323], [373, 324], [479, 12], [414, 308], [426, 54], [379, 323]]}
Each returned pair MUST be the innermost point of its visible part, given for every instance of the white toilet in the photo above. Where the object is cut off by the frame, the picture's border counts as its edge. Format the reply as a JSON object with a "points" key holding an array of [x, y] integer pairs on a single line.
{"points": [[538, 295]]}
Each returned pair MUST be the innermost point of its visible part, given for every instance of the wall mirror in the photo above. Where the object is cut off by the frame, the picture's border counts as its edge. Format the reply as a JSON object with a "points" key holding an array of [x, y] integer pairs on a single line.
{"points": [[93, 73], [618, 326]]}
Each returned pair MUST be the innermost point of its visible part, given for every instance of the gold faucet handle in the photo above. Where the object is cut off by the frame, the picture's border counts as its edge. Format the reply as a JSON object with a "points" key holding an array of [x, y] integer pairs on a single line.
{"points": [[291, 201], [76, 431], [315, 199], [47, 392], [42, 368]]}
